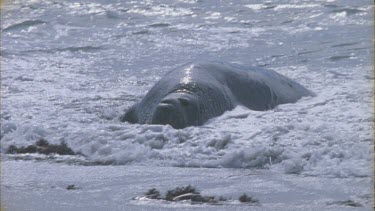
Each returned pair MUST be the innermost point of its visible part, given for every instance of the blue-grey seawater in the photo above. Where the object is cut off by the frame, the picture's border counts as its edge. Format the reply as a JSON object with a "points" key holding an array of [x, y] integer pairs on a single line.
{"points": [[71, 68]]}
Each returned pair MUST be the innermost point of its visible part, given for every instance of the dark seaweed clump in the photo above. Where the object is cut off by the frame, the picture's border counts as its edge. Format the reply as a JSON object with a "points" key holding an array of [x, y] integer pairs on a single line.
{"points": [[153, 193], [72, 187], [43, 147], [349, 203], [247, 199], [171, 194], [190, 193], [181, 193]]}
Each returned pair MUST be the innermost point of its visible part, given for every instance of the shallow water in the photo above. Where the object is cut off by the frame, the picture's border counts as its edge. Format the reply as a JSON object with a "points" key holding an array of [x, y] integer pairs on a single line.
{"points": [[42, 186], [70, 69]]}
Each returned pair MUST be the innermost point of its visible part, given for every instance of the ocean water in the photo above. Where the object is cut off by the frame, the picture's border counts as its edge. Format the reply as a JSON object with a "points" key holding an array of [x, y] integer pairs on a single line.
{"points": [[69, 69]]}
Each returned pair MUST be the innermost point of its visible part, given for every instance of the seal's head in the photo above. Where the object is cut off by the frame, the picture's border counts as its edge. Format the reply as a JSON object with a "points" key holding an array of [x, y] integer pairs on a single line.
{"points": [[178, 110]]}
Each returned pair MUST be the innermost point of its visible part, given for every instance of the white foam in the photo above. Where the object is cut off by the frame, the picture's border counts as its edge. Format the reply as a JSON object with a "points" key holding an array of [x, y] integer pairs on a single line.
{"points": [[255, 6], [164, 10], [315, 136], [77, 97], [295, 6], [213, 15]]}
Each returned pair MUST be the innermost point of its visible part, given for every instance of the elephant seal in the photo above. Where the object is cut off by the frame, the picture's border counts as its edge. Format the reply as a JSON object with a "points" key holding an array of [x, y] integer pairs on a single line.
{"points": [[196, 92]]}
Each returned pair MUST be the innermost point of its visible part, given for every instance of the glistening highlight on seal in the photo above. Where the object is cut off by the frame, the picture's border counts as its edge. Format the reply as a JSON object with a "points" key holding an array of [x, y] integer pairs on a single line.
{"points": [[194, 93]]}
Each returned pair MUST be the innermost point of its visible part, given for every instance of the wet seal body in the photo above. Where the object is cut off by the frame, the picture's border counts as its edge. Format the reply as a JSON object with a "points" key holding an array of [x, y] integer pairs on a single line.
{"points": [[196, 92]]}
